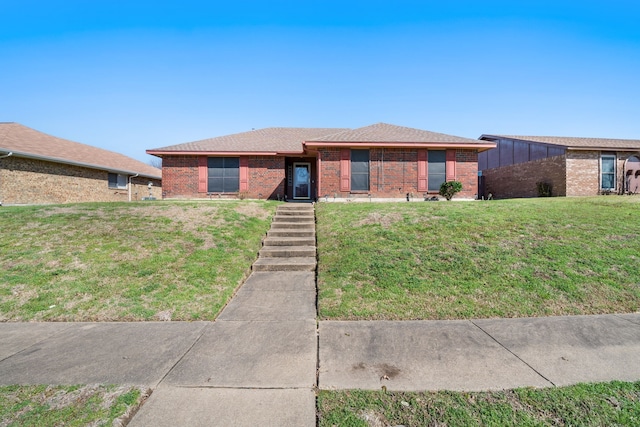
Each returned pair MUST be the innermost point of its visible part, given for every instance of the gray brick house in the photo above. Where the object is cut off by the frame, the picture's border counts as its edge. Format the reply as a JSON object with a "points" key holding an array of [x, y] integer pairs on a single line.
{"points": [[571, 166], [36, 168]]}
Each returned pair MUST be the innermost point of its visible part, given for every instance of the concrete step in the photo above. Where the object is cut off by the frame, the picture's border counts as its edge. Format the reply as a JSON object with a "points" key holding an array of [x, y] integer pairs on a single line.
{"points": [[296, 207], [289, 232], [294, 218], [295, 211], [289, 241], [287, 251], [294, 225], [285, 264]]}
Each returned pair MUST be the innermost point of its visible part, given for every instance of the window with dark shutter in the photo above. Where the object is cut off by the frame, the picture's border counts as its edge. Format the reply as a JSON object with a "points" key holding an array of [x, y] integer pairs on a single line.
{"points": [[359, 170], [437, 169], [223, 174]]}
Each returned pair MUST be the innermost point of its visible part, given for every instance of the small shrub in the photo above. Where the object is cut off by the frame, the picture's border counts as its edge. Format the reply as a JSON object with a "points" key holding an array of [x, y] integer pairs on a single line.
{"points": [[544, 189], [450, 188]]}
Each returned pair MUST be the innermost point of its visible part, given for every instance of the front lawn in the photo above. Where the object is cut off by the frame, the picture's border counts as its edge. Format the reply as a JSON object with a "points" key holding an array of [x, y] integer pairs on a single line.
{"points": [[605, 404], [126, 261], [460, 260], [86, 405]]}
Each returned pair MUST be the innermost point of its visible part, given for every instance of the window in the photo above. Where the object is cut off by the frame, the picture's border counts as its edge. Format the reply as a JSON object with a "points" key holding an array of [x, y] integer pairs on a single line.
{"points": [[608, 171], [118, 181], [359, 170], [223, 174], [437, 169]]}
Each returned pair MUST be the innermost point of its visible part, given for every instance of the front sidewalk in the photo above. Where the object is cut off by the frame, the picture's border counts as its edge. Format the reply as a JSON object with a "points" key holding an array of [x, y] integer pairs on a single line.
{"points": [[208, 372]]}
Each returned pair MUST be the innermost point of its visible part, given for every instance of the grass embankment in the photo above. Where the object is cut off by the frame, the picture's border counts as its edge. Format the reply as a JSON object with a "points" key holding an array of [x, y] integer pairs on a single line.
{"points": [[458, 260], [126, 261], [96, 405], [605, 404]]}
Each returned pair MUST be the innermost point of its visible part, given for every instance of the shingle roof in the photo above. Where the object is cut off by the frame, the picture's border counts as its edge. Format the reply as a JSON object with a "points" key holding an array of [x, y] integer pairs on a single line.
{"points": [[290, 140], [277, 140], [27, 142], [383, 132], [575, 142]]}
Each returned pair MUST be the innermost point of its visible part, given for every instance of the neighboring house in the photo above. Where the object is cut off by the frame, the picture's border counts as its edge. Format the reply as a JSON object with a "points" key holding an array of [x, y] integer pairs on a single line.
{"points": [[36, 168], [378, 161], [571, 166]]}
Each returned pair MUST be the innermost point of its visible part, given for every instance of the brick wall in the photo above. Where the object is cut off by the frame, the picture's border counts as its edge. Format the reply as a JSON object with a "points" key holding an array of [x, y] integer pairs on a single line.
{"points": [[393, 172], [29, 181], [583, 173], [266, 177], [520, 180], [583, 176], [467, 173], [180, 177]]}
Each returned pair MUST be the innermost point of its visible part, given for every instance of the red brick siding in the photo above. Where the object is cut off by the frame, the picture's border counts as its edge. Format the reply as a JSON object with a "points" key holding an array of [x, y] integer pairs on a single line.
{"points": [[30, 181], [180, 177], [520, 180], [467, 173], [394, 172], [265, 178]]}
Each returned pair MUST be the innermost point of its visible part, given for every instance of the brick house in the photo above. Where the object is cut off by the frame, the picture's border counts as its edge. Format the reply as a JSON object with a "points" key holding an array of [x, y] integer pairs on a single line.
{"points": [[36, 168], [571, 166], [378, 161]]}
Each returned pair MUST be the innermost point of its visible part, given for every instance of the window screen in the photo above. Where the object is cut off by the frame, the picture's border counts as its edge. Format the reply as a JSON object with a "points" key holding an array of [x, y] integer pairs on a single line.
{"points": [[224, 174], [608, 174], [437, 169], [117, 180], [359, 170]]}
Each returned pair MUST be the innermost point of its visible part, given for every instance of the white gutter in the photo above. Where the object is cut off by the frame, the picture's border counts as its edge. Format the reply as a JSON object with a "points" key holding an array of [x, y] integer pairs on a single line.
{"points": [[7, 155], [134, 176]]}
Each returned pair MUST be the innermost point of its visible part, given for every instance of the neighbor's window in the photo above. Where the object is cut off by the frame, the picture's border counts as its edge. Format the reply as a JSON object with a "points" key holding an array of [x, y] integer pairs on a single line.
{"points": [[359, 170], [224, 174], [118, 181], [608, 171], [437, 169]]}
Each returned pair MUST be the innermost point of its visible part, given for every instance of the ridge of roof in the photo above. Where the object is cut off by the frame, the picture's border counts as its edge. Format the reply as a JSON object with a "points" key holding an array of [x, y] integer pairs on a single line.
{"points": [[27, 142], [573, 141], [385, 132]]}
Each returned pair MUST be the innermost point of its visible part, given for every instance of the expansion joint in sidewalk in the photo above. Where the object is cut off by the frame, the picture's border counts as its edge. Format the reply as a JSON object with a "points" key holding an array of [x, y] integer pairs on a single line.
{"points": [[514, 354]]}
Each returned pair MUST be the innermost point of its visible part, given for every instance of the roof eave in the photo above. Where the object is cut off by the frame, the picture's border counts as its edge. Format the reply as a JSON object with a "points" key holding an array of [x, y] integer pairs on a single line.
{"points": [[74, 163], [160, 153], [599, 148]]}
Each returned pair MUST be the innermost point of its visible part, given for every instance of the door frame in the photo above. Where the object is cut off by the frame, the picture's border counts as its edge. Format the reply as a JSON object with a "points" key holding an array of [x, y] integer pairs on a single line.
{"points": [[308, 165]]}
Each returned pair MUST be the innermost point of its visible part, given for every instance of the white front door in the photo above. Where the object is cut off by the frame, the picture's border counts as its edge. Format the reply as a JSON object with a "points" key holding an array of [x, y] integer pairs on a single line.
{"points": [[301, 180]]}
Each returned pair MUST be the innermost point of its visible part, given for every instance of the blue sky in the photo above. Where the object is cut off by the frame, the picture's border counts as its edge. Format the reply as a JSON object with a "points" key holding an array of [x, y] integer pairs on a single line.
{"points": [[134, 75]]}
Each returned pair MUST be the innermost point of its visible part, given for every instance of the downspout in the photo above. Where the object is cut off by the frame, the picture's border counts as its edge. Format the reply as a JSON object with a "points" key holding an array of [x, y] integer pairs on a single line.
{"points": [[130, 178]]}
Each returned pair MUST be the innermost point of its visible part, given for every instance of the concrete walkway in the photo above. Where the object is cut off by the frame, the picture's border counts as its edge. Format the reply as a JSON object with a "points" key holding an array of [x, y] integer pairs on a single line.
{"points": [[259, 363]]}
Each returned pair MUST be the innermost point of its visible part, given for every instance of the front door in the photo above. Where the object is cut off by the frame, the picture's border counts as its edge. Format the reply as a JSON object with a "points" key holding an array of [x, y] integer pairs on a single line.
{"points": [[302, 180]]}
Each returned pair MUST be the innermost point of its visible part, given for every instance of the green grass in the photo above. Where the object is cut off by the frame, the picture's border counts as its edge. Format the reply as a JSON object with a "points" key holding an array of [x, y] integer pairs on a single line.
{"points": [[126, 261], [95, 405], [459, 260], [603, 404]]}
